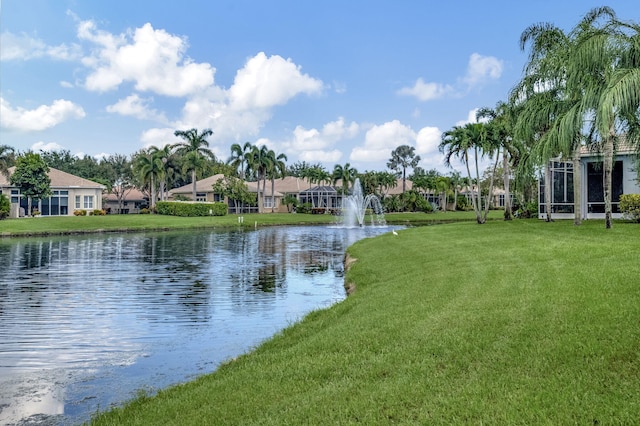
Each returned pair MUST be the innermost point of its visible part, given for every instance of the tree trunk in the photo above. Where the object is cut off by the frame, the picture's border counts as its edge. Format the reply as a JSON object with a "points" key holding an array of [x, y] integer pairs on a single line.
{"points": [[547, 190], [607, 181], [193, 190], [508, 214], [273, 197], [577, 187]]}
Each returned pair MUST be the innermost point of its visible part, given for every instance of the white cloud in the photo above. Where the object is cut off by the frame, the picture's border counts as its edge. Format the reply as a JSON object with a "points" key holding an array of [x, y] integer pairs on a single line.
{"points": [[265, 82], [43, 117], [381, 140], [317, 145], [24, 47], [482, 69], [153, 60], [158, 137], [46, 147], [426, 91], [135, 106], [427, 141]]}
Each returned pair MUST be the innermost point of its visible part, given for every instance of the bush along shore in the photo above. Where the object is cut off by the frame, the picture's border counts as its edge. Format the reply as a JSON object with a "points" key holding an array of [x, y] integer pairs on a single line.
{"points": [[521, 322]]}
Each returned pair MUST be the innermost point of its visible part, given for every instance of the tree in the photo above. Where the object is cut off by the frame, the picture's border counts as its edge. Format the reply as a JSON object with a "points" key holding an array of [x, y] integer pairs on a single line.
{"points": [[502, 122], [194, 151], [345, 173], [5, 207], [402, 158], [469, 143], [31, 176], [259, 162], [122, 182], [276, 169], [7, 158], [240, 156], [234, 189], [148, 167]]}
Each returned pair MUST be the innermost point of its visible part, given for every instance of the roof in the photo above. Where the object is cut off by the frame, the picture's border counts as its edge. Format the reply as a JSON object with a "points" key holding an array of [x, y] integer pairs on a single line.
{"points": [[59, 179], [322, 189], [132, 194], [203, 185]]}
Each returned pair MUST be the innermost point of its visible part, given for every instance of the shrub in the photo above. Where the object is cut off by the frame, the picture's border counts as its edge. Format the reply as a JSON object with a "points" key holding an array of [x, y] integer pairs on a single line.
{"points": [[171, 208], [145, 210], [630, 206], [97, 212], [5, 207], [79, 212], [304, 208]]}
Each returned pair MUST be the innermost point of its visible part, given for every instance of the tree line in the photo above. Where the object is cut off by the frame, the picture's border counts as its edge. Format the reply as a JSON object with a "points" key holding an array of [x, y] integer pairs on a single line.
{"points": [[580, 90]]}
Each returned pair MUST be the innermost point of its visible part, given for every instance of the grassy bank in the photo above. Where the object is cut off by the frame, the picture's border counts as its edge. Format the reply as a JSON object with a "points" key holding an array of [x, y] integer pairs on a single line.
{"points": [[122, 223], [506, 323]]}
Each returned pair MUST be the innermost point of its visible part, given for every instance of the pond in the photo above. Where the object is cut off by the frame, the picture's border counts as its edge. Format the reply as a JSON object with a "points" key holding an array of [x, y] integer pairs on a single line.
{"points": [[87, 322]]}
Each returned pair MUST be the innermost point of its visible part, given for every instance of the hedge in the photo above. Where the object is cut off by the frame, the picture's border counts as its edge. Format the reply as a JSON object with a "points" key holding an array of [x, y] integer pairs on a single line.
{"points": [[177, 208], [630, 206]]}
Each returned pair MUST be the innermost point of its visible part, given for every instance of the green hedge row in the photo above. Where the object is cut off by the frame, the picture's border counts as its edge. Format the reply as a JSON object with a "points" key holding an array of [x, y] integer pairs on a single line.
{"points": [[174, 208]]}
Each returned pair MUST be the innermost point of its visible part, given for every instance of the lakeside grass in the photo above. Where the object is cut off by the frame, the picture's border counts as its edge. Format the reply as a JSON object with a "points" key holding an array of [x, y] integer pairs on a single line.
{"points": [[52, 225], [521, 322]]}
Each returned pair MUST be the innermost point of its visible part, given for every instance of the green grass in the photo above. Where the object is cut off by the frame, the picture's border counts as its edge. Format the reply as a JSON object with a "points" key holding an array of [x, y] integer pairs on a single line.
{"points": [[520, 322], [137, 222]]}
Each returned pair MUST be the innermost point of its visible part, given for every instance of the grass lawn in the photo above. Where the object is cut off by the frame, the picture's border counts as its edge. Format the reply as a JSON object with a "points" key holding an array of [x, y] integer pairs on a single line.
{"points": [[138, 222], [521, 322]]}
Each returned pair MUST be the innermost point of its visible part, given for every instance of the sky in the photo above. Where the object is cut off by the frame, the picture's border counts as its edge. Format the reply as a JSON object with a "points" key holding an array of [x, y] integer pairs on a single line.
{"points": [[329, 82]]}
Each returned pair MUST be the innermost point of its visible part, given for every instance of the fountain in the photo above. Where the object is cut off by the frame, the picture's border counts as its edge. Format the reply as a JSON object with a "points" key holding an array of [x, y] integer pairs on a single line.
{"points": [[355, 206]]}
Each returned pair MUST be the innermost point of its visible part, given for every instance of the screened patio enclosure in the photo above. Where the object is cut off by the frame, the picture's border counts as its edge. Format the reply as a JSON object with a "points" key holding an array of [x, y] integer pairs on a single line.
{"points": [[624, 181], [321, 197]]}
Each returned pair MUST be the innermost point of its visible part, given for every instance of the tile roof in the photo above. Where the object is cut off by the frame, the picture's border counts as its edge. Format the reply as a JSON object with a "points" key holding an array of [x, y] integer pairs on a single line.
{"points": [[60, 179]]}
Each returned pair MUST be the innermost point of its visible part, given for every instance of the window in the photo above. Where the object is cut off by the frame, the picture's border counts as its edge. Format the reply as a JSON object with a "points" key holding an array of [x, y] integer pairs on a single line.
{"points": [[78, 202], [201, 196], [267, 203], [88, 201], [15, 196]]}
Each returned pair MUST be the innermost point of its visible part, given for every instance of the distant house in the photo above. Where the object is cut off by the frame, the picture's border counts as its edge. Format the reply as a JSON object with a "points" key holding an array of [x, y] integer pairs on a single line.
{"points": [[133, 201], [624, 181], [68, 193]]}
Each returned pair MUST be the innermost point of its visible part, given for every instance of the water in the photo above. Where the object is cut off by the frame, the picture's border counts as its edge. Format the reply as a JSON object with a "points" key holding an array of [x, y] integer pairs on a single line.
{"points": [[88, 322]]}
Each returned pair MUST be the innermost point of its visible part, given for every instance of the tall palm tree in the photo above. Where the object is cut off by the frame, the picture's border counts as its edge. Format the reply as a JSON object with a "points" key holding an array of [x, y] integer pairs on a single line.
{"points": [[470, 143], [258, 163], [240, 156], [345, 173], [605, 63], [7, 158], [148, 167], [195, 152], [502, 120], [402, 158], [277, 169], [167, 158]]}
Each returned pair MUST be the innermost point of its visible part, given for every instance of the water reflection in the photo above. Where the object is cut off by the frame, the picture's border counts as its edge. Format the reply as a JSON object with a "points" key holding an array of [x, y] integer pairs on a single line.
{"points": [[87, 321]]}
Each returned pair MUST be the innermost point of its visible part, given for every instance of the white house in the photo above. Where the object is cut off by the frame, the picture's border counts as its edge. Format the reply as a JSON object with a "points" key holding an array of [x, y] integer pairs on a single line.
{"points": [[68, 193]]}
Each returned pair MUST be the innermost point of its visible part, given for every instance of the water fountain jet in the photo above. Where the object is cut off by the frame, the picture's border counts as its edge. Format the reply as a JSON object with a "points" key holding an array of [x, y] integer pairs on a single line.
{"points": [[355, 206]]}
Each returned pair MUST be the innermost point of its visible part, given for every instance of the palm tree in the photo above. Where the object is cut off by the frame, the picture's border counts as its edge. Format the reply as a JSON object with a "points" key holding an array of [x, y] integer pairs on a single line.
{"points": [[195, 152], [240, 156], [470, 143], [259, 162], [502, 121], [6, 159], [277, 168], [169, 165], [148, 167], [345, 173], [401, 158]]}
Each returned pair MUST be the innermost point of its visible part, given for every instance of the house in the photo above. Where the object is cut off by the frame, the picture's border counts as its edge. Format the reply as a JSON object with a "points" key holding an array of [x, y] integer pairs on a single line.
{"points": [[133, 201], [624, 181], [68, 193]]}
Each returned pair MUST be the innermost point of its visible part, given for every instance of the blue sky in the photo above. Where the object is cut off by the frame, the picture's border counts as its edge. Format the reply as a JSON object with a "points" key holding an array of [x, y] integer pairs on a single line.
{"points": [[329, 82]]}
